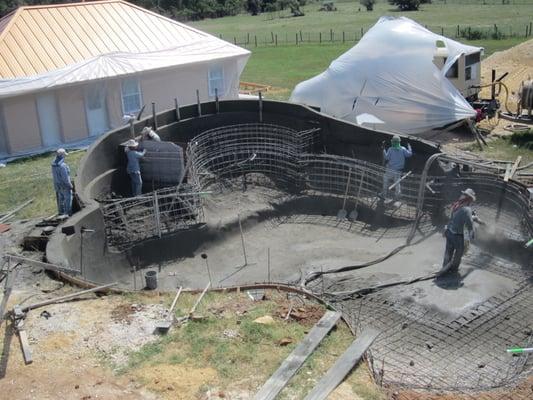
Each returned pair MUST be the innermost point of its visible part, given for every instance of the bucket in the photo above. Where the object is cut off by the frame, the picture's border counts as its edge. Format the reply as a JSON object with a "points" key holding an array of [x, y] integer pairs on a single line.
{"points": [[151, 280]]}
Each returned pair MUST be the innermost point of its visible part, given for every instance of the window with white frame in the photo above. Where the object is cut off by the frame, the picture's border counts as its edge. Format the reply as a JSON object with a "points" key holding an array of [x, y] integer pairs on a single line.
{"points": [[216, 80], [131, 96]]}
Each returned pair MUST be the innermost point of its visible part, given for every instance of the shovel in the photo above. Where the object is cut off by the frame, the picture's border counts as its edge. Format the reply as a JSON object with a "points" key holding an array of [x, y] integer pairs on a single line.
{"points": [[164, 326], [354, 214], [342, 212]]}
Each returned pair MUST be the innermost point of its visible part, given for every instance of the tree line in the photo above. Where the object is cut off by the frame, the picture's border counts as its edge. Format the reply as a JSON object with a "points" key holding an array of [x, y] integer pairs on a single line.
{"points": [[191, 10], [185, 10]]}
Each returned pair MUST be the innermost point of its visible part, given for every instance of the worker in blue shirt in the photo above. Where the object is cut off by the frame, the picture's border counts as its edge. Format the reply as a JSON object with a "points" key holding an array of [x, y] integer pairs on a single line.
{"points": [[457, 238], [395, 162], [134, 169], [62, 183]]}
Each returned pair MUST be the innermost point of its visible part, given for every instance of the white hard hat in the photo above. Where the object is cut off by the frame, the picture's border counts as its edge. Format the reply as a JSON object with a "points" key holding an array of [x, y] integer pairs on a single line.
{"points": [[146, 130], [131, 143], [470, 193], [61, 152]]}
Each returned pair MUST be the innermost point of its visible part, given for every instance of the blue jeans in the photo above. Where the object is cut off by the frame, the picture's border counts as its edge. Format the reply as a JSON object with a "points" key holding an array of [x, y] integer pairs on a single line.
{"points": [[455, 248], [136, 183], [64, 201], [389, 178]]}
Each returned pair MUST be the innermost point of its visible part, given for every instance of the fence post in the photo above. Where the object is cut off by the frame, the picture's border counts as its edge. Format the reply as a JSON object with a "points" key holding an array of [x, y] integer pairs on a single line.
{"points": [[217, 106], [362, 32], [248, 38], [276, 37], [198, 104], [255, 40], [320, 37], [178, 116], [296, 39], [331, 35], [343, 37], [441, 31], [272, 35], [234, 40], [301, 40], [457, 35], [530, 26]]}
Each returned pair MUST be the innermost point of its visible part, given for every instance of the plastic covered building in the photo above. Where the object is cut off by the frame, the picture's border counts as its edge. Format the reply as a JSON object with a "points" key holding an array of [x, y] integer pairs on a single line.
{"points": [[398, 78]]}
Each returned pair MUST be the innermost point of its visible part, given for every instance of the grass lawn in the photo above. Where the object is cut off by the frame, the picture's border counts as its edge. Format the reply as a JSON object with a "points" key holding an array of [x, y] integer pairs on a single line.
{"points": [[239, 354], [32, 178], [511, 18]]}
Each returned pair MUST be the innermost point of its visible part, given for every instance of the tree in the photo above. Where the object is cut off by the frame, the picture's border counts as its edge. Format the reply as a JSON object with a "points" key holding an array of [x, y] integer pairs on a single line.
{"points": [[369, 4], [406, 5]]}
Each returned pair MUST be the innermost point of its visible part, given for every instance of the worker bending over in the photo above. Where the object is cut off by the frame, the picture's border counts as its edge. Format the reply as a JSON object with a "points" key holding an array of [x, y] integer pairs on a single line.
{"points": [[134, 168], [149, 134], [62, 183], [395, 162], [462, 217]]}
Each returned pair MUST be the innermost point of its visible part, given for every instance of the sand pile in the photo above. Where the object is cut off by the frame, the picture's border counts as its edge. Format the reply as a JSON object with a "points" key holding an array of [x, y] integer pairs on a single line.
{"points": [[518, 61]]}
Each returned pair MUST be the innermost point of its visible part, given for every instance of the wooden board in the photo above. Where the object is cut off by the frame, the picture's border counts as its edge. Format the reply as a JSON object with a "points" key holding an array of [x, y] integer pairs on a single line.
{"points": [[295, 360], [25, 345], [343, 365], [8, 287]]}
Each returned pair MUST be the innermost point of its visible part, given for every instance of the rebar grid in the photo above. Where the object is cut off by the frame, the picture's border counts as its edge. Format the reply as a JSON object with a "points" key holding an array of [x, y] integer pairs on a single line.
{"points": [[129, 221], [230, 151]]}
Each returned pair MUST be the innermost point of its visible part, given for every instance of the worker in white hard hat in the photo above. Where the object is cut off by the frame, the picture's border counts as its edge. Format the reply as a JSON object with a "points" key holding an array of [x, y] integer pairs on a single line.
{"points": [[149, 134], [62, 183], [134, 169], [459, 231], [394, 157]]}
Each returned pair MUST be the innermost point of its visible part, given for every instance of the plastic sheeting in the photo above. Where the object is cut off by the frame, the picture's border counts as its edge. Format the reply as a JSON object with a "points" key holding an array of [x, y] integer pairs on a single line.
{"points": [[388, 81], [119, 64]]}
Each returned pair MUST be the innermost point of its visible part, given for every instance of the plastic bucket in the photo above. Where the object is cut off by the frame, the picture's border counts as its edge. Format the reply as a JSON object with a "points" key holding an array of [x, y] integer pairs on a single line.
{"points": [[151, 280]]}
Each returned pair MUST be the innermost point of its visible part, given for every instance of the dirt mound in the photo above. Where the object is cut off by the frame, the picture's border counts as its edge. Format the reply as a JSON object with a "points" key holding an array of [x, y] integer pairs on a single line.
{"points": [[518, 61]]}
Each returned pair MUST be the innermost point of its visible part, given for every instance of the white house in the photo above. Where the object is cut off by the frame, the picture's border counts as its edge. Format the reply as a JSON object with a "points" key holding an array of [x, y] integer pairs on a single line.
{"points": [[69, 72]]}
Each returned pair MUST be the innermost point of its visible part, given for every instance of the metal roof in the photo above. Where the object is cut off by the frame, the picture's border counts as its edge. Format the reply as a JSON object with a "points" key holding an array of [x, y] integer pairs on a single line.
{"points": [[38, 39]]}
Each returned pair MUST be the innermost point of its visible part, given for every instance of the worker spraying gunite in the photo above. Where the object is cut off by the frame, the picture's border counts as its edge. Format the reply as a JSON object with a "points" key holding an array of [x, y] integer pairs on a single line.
{"points": [[457, 238], [134, 169], [394, 157]]}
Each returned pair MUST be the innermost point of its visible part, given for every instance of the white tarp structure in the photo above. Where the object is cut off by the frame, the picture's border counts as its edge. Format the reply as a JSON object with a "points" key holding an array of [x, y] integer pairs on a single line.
{"points": [[120, 63], [390, 75]]}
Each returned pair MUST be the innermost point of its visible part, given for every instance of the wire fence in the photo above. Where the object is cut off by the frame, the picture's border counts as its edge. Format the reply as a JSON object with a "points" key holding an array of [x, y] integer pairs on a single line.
{"points": [[333, 36]]}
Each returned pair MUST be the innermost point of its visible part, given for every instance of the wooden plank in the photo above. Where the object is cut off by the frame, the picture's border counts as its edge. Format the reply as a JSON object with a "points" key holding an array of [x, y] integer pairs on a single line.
{"points": [[343, 365], [15, 210], [8, 287], [515, 166], [507, 173], [39, 264], [295, 360], [25, 345]]}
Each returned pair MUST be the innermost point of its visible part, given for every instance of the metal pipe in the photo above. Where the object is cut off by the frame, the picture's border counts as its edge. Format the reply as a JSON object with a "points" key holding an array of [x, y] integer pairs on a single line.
{"points": [[154, 117], [242, 241], [67, 297]]}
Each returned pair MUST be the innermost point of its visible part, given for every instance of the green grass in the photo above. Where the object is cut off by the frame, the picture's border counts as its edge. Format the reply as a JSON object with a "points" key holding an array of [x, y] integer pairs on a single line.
{"points": [[246, 361], [503, 149], [436, 16], [32, 178]]}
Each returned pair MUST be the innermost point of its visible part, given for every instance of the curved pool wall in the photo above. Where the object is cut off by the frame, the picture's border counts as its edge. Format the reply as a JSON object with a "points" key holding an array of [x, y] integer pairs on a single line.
{"points": [[102, 169]]}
